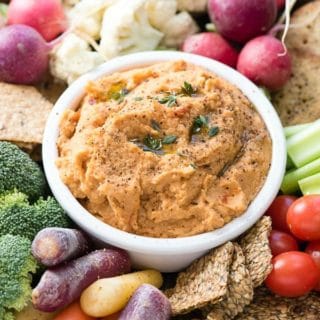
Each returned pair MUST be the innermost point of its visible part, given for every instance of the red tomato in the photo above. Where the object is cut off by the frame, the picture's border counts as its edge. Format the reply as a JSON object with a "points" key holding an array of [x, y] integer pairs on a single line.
{"points": [[281, 242], [73, 312], [313, 248], [278, 212], [304, 218], [294, 274]]}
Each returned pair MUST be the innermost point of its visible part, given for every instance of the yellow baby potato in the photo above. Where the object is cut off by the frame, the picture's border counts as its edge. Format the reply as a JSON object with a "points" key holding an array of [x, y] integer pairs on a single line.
{"points": [[110, 295]]}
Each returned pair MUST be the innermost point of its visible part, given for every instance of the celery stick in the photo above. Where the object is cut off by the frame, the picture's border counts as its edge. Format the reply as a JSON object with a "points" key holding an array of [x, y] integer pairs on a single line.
{"points": [[304, 146], [290, 181], [290, 131], [310, 185], [290, 164]]}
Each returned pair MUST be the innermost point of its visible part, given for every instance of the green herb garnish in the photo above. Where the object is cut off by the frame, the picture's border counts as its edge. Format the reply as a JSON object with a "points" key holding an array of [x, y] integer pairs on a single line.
{"points": [[155, 125], [152, 143], [213, 131], [169, 100], [120, 95], [193, 166], [169, 139], [138, 99], [187, 89], [199, 123]]}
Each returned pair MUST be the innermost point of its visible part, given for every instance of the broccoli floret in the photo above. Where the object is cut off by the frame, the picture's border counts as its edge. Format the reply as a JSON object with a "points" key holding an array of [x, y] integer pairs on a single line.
{"points": [[19, 171], [16, 266], [19, 217]]}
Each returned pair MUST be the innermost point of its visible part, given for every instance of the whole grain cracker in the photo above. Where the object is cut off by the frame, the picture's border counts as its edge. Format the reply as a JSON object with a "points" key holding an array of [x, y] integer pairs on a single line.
{"points": [[267, 306], [204, 282], [240, 290], [299, 100], [305, 36], [23, 113], [256, 249]]}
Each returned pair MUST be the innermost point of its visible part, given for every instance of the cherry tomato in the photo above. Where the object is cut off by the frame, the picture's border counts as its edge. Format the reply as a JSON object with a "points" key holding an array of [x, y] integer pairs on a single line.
{"points": [[278, 212], [73, 312], [313, 248], [294, 274], [281, 242], [304, 218]]}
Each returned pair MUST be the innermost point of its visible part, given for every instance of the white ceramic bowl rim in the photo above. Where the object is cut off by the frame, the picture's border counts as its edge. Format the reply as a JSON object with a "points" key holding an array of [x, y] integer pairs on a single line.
{"points": [[71, 98]]}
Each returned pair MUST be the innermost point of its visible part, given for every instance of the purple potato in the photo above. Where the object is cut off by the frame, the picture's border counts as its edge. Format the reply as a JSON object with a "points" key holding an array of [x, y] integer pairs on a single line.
{"points": [[51, 246], [147, 303], [60, 286]]}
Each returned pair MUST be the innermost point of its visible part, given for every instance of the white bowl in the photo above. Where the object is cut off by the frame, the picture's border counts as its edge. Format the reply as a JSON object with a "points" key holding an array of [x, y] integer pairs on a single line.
{"points": [[166, 255]]}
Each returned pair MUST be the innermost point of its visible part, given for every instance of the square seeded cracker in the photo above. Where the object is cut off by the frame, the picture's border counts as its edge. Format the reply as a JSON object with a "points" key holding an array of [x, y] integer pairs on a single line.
{"points": [[23, 113], [204, 282], [256, 249], [267, 306], [240, 290]]}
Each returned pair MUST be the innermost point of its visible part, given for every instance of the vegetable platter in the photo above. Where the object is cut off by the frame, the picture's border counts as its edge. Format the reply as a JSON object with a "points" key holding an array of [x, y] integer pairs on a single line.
{"points": [[50, 269]]}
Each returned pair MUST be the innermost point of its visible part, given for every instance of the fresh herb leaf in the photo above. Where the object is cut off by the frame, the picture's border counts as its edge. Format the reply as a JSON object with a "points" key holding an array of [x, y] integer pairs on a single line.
{"points": [[198, 123], [142, 146], [120, 95], [213, 131], [169, 139], [187, 89], [155, 125], [152, 143], [138, 99], [169, 100]]}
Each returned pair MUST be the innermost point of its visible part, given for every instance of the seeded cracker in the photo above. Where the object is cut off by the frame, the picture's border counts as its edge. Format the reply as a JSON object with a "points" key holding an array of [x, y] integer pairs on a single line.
{"points": [[23, 113], [240, 290], [204, 282], [255, 246], [266, 306]]}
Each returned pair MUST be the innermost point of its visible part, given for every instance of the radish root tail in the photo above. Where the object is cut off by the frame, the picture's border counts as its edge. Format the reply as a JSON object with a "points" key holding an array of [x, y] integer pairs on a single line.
{"points": [[287, 11]]}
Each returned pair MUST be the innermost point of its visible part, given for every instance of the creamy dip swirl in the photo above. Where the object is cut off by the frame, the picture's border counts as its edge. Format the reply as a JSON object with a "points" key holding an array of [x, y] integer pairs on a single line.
{"points": [[168, 150]]}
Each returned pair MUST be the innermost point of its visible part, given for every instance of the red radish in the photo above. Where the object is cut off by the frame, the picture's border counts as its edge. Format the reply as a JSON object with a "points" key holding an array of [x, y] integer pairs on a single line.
{"points": [[46, 16], [213, 46], [280, 4], [242, 20], [24, 55], [265, 61]]}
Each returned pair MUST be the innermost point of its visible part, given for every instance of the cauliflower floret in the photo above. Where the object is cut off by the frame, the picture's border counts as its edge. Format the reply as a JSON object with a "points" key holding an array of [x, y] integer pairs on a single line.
{"points": [[160, 11], [126, 29], [70, 3], [72, 58], [177, 29], [192, 5], [86, 16]]}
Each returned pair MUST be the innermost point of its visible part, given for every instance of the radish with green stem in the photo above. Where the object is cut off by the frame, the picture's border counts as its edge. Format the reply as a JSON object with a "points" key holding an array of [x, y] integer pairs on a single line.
{"points": [[46, 16]]}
